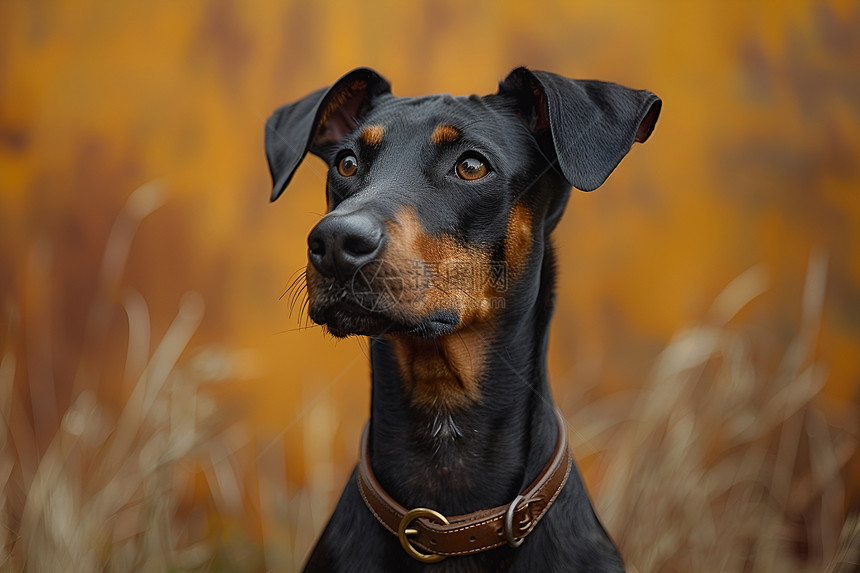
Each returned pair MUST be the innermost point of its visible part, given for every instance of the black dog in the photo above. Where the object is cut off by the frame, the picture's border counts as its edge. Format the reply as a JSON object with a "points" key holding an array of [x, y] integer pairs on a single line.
{"points": [[436, 245]]}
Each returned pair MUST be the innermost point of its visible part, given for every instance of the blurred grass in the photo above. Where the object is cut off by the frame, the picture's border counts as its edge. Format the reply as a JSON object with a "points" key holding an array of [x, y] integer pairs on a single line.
{"points": [[167, 481], [713, 465], [720, 466]]}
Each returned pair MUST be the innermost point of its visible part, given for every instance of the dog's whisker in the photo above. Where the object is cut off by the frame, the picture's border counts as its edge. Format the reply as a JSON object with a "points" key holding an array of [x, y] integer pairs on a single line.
{"points": [[298, 329], [293, 279], [298, 287], [304, 307], [300, 278], [302, 291]]}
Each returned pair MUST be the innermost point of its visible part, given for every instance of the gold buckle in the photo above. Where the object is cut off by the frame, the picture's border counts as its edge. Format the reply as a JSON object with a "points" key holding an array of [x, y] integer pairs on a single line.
{"points": [[403, 532]]}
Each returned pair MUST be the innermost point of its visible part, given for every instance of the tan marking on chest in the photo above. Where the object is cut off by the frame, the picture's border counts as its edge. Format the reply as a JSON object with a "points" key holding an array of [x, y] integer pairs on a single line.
{"points": [[444, 373]]}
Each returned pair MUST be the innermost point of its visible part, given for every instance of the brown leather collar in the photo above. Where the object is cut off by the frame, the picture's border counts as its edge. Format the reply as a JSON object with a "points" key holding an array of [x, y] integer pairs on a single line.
{"points": [[429, 536]]}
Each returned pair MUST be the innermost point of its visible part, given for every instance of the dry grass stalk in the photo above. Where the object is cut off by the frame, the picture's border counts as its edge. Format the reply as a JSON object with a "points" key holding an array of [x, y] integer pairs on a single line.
{"points": [[104, 494], [718, 466], [714, 465]]}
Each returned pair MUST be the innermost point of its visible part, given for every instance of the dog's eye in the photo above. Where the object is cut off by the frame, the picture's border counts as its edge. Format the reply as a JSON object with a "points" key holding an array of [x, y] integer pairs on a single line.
{"points": [[471, 168], [347, 166]]}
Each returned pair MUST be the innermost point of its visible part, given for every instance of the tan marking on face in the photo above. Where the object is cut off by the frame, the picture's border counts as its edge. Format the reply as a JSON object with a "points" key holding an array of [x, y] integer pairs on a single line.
{"points": [[372, 134], [445, 275], [444, 134], [420, 274], [518, 240]]}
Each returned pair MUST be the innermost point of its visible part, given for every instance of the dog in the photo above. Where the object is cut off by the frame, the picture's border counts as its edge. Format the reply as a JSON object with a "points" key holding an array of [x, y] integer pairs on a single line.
{"points": [[436, 245]]}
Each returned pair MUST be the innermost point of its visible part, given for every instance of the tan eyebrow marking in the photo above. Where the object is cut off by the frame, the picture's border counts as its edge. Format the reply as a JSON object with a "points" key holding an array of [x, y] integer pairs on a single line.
{"points": [[444, 134], [372, 134]]}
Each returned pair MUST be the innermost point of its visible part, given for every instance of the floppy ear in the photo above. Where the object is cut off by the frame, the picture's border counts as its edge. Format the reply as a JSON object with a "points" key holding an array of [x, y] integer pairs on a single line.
{"points": [[588, 125], [319, 119]]}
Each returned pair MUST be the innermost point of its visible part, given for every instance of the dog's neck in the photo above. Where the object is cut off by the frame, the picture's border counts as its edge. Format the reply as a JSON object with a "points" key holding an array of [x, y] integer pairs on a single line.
{"points": [[480, 455]]}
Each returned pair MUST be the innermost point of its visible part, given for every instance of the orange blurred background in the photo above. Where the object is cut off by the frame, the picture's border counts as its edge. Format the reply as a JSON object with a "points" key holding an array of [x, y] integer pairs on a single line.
{"points": [[141, 125]]}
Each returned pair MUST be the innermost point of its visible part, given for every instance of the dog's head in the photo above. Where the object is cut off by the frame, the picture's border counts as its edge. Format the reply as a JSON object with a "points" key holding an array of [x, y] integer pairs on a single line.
{"points": [[438, 206]]}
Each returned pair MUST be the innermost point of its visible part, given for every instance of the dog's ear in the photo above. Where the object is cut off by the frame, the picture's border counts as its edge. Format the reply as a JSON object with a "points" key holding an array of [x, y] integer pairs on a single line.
{"points": [[588, 125], [319, 119]]}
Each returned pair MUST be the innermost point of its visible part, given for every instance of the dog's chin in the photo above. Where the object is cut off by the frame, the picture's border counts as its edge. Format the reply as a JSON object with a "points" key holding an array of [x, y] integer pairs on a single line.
{"points": [[343, 322], [438, 323], [347, 320]]}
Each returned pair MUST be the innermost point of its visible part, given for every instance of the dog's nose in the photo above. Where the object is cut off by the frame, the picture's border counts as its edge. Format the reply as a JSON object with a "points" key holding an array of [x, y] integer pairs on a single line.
{"points": [[340, 244]]}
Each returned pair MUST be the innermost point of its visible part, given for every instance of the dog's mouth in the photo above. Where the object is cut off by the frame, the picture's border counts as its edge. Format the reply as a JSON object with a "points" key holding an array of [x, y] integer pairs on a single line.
{"points": [[346, 317], [344, 320], [375, 307]]}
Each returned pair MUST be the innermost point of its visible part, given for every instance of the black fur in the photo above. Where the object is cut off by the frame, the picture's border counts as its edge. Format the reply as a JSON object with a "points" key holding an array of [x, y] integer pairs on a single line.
{"points": [[540, 135]]}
